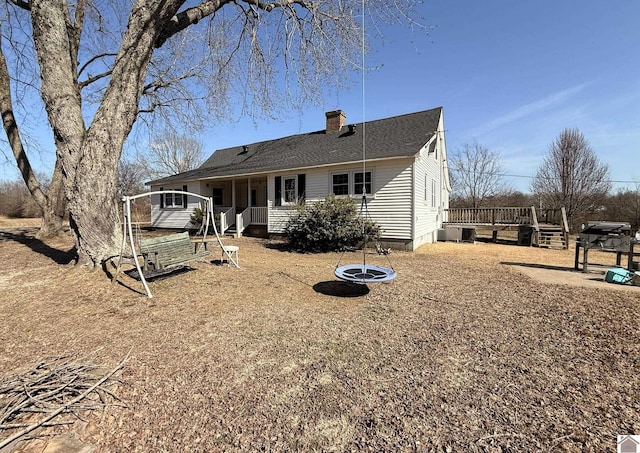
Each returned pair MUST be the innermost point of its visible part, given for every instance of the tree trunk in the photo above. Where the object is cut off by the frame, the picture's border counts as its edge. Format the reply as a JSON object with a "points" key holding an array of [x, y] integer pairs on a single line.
{"points": [[89, 157], [93, 208], [54, 209]]}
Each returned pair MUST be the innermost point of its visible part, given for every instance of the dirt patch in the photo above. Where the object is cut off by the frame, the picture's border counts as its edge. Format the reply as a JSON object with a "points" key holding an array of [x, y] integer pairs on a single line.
{"points": [[464, 351]]}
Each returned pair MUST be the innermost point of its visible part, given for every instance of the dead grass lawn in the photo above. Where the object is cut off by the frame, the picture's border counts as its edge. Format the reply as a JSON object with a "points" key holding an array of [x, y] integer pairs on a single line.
{"points": [[463, 352]]}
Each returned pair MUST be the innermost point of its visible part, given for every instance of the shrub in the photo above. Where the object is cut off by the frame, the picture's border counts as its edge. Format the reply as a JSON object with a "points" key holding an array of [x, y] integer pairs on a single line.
{"points": [[16, 201], [328, 225]]}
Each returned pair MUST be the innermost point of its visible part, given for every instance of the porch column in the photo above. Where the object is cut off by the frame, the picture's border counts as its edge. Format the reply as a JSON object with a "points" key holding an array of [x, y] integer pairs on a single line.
{"points": [[233, 195], [249, 192]]}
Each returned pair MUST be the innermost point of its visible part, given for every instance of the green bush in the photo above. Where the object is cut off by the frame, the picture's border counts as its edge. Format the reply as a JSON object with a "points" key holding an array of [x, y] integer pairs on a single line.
{"points": [[328, 225]]}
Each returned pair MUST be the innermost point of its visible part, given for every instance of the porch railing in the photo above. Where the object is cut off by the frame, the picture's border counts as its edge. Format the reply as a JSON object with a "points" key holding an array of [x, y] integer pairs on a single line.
{"points": [[252, 216], [226, 219], [259, 215]]}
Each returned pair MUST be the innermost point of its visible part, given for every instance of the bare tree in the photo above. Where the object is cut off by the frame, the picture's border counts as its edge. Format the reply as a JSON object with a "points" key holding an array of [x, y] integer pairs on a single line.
{"points": [[131, 177], [476, 174], [572, 176], [102, 64], [170, 154], [624, 206]]}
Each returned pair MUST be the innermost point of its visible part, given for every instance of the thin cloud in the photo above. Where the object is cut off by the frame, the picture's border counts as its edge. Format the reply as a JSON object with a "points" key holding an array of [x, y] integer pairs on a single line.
{"points": [[530, 109]]}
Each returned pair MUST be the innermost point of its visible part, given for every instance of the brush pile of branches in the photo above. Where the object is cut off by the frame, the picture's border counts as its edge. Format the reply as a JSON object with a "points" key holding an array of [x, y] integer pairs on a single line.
{"points": [[54, 392]]}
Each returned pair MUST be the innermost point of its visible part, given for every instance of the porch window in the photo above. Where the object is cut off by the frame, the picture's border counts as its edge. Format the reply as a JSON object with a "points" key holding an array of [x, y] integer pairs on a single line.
{"points": [[217, 196], [340, 184], [362, 181]]}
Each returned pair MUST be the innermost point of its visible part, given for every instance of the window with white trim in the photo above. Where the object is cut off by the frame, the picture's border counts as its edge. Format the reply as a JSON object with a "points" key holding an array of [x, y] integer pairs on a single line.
{"points": [[340, 183], [351, 183], [362, 181], [426, 189], [290, 194], [289, 190], [433, 193], [173, 200]]}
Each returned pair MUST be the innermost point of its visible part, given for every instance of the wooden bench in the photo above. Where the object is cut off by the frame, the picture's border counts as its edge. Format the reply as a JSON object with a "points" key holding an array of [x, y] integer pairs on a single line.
{"points": [[169, 252]]}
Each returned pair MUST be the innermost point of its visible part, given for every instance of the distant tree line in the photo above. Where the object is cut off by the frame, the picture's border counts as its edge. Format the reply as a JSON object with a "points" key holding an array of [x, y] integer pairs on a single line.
{"points": [[570, 176]]}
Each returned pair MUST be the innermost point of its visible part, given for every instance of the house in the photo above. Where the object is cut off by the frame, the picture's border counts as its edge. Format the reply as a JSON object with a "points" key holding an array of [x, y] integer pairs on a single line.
{"points": [[256, 187]]}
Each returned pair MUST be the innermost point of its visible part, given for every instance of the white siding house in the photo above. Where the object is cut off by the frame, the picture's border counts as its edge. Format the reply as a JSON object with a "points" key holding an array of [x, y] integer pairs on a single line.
{"points": [[255, 187]]}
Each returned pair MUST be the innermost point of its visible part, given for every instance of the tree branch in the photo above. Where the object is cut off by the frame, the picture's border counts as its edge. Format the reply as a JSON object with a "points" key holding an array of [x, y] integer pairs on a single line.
{"points": [[94, 58], [188, 17], [192, 16], [95, 78], [24, 4]]}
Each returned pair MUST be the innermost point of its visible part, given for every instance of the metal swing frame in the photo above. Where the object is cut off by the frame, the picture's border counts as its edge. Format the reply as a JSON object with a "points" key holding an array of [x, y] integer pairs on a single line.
{"points": [[127, 232]]}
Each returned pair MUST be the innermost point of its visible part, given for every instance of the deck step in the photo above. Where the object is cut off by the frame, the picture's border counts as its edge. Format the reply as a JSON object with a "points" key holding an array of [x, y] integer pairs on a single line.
{"points": [[551, 238]]}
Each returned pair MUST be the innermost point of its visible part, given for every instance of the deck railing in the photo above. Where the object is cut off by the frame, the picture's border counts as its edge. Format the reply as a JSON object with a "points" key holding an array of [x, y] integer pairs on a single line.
{"points": [[556, 216], [490, 216]]}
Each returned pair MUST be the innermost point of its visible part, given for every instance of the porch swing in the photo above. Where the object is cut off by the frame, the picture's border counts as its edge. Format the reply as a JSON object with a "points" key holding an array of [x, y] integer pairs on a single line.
{"points": [[166, 254], [364, 272]]}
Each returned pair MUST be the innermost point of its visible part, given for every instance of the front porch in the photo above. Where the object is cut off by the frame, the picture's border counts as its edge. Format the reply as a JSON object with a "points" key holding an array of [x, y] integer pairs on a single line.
{"points": [[240, 205], [233, 221]]}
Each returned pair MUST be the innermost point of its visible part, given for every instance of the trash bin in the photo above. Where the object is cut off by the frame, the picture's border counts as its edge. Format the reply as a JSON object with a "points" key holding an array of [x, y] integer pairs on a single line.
{"points": [[525, 235]]}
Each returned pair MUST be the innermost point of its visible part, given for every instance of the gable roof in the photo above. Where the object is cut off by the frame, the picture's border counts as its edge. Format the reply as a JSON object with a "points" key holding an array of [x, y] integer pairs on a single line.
{"points": [[398, 136]]}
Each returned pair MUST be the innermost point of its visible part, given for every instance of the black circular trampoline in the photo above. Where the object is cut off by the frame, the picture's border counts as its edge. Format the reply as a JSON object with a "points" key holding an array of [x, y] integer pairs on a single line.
{"points": [[364, 273]]}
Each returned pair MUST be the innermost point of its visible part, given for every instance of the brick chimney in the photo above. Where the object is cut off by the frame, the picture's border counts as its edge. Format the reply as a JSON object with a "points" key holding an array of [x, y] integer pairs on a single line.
{"points": [[335, 120]]}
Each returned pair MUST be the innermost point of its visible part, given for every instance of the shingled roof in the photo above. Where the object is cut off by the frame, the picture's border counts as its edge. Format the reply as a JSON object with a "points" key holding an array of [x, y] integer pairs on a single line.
{"points": [[398, 136]]}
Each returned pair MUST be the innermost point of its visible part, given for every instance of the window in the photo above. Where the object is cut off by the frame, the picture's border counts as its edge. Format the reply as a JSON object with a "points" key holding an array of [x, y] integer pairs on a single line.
{"points": [[433, 193], [351, 183], [426, 188], [217, 196], [340, 184], [174, 200], [290, 190], [362, 181]]}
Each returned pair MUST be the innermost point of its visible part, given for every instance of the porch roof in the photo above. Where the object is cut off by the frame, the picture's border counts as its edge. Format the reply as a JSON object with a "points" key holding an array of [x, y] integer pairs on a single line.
{"points": [[398, 136]]}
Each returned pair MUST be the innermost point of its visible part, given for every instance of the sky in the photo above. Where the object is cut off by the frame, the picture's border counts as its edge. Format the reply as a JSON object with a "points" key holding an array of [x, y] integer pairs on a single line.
{"points": [[509, 75]]}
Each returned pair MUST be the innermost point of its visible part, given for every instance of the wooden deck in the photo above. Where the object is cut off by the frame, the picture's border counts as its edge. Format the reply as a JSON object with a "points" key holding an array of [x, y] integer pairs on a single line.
{"points": [[549, 226]]}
